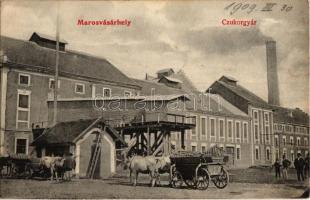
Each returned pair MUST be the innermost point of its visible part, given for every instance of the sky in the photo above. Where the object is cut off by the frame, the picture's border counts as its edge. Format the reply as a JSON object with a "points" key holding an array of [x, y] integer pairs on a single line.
{"points": [[187, 35]]}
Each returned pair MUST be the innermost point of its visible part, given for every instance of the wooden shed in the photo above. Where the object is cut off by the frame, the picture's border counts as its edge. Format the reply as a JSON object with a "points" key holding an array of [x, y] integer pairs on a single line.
{"points": [[81, 138]]}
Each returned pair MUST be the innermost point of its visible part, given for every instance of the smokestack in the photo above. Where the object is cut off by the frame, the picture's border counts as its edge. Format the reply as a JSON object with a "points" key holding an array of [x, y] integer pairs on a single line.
{"points": [[272, 73]]}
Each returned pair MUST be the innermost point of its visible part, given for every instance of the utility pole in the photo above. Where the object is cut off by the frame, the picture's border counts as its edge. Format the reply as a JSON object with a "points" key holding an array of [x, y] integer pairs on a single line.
{"points": [[56, 66]]}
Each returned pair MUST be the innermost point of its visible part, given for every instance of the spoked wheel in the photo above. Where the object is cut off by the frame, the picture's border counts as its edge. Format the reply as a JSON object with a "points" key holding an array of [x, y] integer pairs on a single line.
{"points": [[221, 180], [202, 182], [177, 180]]}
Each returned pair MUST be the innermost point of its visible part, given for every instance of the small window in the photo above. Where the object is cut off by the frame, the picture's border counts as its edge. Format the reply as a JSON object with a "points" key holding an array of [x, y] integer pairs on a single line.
{"points": [[21, 146], [298, 141], [256, 131], [305, 141], [127, 94], [52, 83], [256, 153], [291, 140], [276, 140], [221, 128], [80, 88], [24, 79], [203, 126], [203, 149], [268, 154], [267, 133], [245, 131], [229, 129], [193, 131], [255, 115], [194, 148], [106, 92], [238, 152], [284, 140], [266, 118], [238, 130], [212, 127], [23, 101]]}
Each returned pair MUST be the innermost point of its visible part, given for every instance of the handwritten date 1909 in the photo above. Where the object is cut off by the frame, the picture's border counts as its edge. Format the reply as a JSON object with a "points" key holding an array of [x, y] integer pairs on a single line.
{"points": [[250, 7]]}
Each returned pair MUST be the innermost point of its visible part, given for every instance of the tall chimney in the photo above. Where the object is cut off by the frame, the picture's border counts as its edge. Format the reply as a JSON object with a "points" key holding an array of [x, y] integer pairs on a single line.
{"points": [[272, 73]]}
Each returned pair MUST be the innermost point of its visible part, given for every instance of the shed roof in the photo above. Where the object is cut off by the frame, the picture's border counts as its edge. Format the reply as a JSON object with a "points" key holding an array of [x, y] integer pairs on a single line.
{"points": [[69, 132], [48, 37], [26, 54], [244, 93]]}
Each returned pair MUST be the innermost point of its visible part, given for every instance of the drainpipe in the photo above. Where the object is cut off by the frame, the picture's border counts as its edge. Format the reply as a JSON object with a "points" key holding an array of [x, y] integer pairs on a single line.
{"points": [[3, 85]]}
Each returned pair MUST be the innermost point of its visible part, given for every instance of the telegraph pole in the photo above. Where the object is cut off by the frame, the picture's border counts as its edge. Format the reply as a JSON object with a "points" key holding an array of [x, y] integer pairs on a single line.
{"points": [[56, 66]]}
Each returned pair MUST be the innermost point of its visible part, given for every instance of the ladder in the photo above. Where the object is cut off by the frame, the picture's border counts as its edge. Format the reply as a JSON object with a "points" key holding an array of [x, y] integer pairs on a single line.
{"points": [[95, 157]]}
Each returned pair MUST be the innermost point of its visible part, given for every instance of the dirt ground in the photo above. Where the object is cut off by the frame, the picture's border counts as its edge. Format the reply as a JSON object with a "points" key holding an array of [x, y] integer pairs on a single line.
{"points": [[119, 187]]}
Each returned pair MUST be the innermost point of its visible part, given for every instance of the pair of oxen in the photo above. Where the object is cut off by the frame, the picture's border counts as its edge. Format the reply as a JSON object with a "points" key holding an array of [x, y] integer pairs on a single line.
{"points": [[59, 166], [154, 166]]}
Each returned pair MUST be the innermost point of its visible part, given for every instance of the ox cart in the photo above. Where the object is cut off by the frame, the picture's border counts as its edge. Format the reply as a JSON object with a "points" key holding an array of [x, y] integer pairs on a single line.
{"points": [[22, 166], [197, 170]]}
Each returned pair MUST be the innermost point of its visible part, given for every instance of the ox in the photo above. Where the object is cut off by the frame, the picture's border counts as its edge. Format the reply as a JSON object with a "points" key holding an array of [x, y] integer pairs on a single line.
{"points": [[147, 165]]}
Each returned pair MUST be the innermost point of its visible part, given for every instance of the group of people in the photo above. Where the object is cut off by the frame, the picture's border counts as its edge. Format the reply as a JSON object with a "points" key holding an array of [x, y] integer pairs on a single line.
{"points": [[301, 165]]}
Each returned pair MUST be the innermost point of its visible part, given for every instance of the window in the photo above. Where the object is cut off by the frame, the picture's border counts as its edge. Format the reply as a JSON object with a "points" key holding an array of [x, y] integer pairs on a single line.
{"points": [[256, 153], [245, 131], [80, 88], [203, 126], [280, 127], [221, 128], [194, 148], [238, 130], [23, 109], [291, 140], [256, 131], [255, 115], [212, 127], [298, 141], [106, 92], [284, 140], [203, 148], [127, 94], [284, 152], [277, 154], [266, 118], [24, 79], [305, 141], [275, 127], [238, 153], [292, 156], [229, 129], [21, 146], [267, 133], [51, 84], [267, 153], [193, 131], [276, 140]]}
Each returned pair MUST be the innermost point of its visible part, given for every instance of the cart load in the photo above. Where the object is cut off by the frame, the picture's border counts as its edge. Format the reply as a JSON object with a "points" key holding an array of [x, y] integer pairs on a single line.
{"points": [[197, 169]]}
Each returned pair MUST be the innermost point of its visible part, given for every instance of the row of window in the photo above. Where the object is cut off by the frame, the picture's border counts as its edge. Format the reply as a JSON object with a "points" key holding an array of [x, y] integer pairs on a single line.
{"points": [[291, 156], [289, 128], [218, 129], [24, 80], [256, 117], [291, 142], [258, 155]]}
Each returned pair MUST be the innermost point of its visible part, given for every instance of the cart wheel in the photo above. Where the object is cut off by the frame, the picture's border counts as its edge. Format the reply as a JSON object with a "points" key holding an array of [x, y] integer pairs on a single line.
{"points": [[221, 180], [28, 172], [177, 180], [202, 182]]}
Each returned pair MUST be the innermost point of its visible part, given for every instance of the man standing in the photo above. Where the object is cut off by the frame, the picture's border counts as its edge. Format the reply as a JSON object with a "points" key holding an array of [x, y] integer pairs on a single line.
{"points": [[306, 167], [299, 166], [285, 163], [277, 166]]}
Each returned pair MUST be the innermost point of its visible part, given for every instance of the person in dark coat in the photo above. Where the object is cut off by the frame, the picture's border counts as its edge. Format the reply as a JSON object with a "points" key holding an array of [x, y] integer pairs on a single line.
{"points": [[277, 167], [306, 167], [299, 166], [285, 165]]}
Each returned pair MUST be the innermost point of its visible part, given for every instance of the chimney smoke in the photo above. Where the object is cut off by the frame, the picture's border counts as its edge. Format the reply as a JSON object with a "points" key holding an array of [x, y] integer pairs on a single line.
{"points": [[272, 73]]}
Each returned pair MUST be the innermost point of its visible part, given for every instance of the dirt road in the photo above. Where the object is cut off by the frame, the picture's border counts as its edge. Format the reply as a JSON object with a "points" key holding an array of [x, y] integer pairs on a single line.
{"points": [[120, 188]]}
